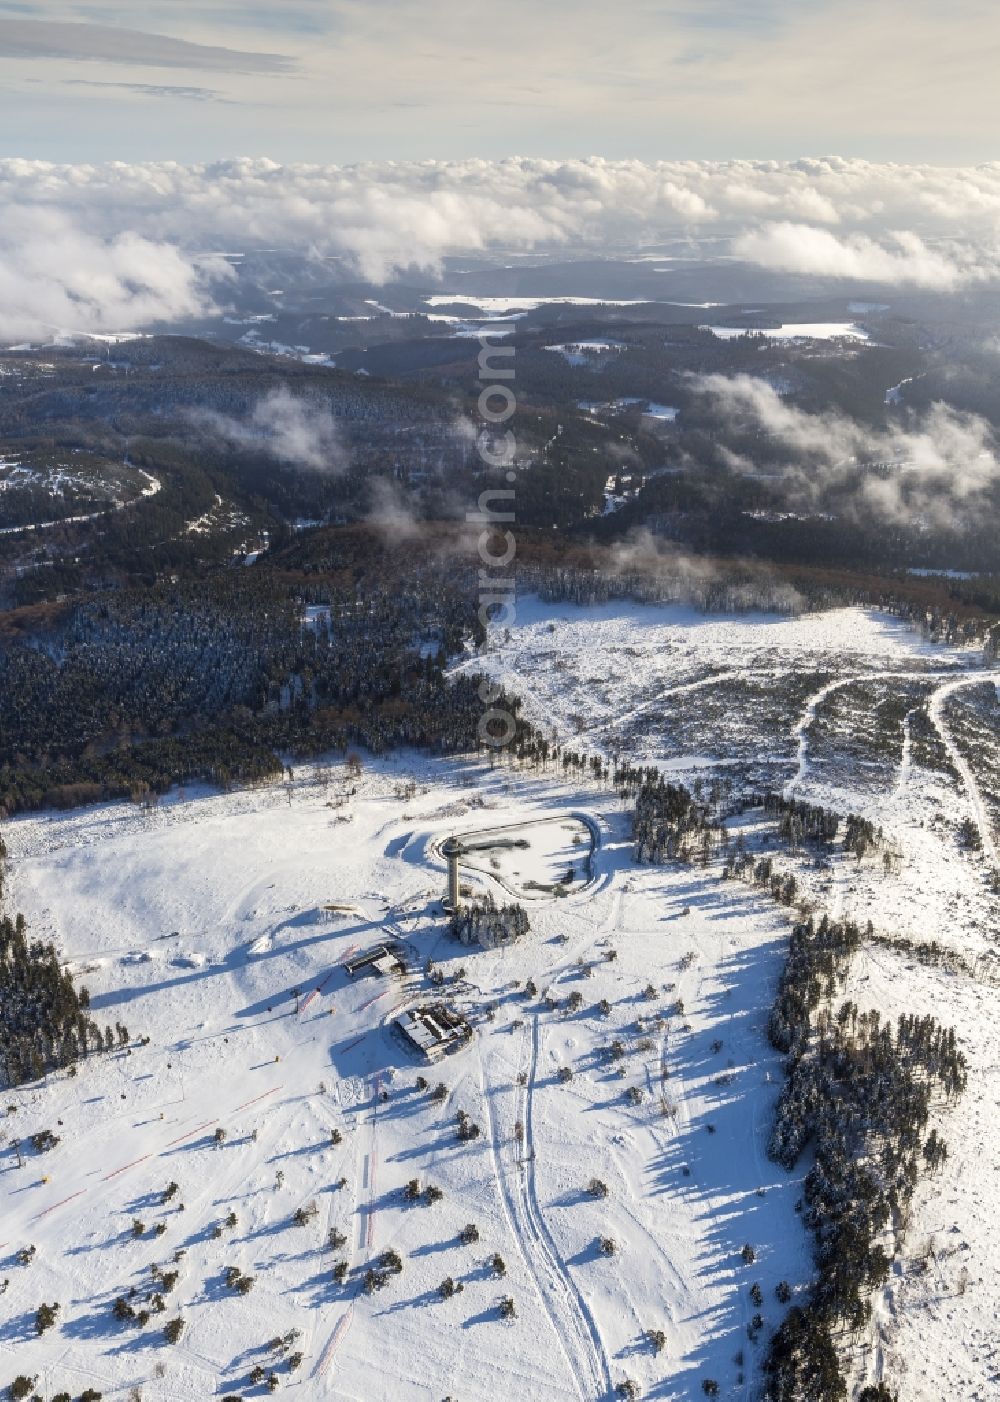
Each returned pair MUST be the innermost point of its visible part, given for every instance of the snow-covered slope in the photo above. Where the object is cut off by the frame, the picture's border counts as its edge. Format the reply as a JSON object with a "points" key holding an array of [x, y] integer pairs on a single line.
{"points": [[197, 924], [217, 927]]}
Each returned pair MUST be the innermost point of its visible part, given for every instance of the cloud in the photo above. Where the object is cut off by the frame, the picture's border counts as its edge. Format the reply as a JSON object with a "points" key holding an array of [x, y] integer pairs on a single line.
{"points": [[391, 513], [643, 553], [645, 560], [940, 469], [56, 278], [185, 92], [296, 430], [93, 43], [921, 226], [918, 225], [902, 258]]}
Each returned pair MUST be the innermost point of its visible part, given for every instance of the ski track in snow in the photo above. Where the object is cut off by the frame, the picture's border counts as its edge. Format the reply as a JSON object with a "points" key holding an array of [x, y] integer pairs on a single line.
{"points": [[800, 732], [366, 1228], [579, 1332], [506, 1170], [964, 769], [558, 1295], [906, 759]]}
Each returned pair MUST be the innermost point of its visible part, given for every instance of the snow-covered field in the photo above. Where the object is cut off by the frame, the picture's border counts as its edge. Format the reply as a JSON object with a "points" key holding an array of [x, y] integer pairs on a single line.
{"points": [[849, 708], [504, 305], [650, 409], [217, 926], [584, 352], [795, 331]]}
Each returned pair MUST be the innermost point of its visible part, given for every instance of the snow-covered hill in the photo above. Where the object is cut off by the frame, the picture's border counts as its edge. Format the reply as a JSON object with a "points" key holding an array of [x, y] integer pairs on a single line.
{"points": [[217, 926]]}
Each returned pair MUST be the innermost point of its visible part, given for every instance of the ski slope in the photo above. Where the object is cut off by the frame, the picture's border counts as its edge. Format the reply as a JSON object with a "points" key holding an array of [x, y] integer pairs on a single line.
{"points": [[243, 881], [217, 926]]}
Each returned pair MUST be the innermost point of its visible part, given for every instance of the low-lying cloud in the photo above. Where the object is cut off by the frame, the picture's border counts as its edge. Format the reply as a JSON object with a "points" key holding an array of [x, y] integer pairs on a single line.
{"points": [[391, 512], [852, 220], [296, 430], [937, 470], [58, 279], [902, 258]]}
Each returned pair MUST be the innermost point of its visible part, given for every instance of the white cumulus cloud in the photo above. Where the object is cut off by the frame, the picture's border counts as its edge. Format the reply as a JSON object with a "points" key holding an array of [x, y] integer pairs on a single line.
{"points": [[93, 244], [58, 278], [902, 257]]}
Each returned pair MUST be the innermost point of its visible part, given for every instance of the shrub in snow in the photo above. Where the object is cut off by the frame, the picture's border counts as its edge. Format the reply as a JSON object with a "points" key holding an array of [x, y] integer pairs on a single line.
{"points": [[45, 1317]]}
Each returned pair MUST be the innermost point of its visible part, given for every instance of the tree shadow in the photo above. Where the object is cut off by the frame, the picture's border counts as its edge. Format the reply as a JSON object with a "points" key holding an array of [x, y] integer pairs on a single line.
{"points": [[490, 1315], [435, 1248], [19, 1328], [428, 1297]]}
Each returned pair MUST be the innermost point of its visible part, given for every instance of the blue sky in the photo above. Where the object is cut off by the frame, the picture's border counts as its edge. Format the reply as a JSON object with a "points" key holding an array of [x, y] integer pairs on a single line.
{"points": [[355, 80]]}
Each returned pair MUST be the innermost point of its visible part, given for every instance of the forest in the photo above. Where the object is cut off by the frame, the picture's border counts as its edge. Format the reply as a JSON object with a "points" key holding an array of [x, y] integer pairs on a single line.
{"points": [[339, 638], [487, 924], [858, 1093], [138, 690]]}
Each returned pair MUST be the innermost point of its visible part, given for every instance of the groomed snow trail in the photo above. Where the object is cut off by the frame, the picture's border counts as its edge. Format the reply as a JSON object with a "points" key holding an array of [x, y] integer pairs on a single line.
{"points": [[935, 710], [572, 1321], [584, 1337], [366, 1241], [801, 731], [506, 1169], [906, 759]]}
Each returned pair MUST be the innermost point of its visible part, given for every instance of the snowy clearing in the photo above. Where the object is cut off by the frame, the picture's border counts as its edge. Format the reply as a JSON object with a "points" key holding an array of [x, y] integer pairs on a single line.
{"points": [[795, 331]]}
